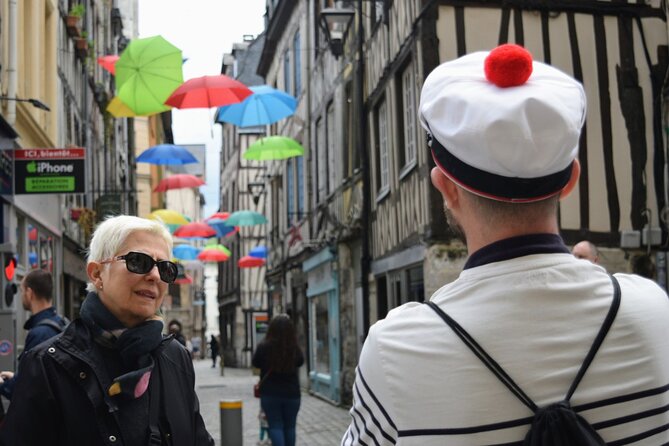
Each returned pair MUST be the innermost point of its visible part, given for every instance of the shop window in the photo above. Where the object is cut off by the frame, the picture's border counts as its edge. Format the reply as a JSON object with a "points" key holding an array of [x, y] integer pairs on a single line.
{"points": [[320, 343]]}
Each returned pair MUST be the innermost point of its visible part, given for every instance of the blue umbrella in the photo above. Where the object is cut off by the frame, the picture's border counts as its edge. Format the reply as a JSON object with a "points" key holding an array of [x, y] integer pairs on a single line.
{"points": [[185, 252], [259, 251], [265, 106], [245, 218], [166, 154], [222, 228]]}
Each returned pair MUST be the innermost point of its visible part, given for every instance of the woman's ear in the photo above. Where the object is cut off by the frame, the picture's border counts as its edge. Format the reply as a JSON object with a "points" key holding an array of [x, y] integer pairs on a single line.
{"points": [[94, 271], [573, 180]]}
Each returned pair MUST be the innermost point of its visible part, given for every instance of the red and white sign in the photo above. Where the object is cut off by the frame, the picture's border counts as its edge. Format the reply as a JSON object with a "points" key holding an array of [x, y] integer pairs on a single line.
{"points": [[46, 154]]}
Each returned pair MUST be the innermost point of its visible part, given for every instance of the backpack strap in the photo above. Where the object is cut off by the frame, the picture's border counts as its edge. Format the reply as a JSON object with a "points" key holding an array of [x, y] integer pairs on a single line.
{"points": [[53, 324], [505, 379]]}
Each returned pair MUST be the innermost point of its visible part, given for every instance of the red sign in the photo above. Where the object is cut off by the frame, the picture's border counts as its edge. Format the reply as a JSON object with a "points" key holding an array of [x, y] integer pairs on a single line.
{"points": [[47, 154]]}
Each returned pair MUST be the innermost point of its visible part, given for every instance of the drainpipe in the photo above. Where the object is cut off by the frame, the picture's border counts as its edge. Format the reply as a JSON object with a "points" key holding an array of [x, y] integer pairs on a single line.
{"points": [[12, 76]]}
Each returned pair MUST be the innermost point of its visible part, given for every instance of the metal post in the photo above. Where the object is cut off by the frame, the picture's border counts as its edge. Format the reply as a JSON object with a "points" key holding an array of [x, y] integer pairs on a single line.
{"points": [[222, 364], [231, 422]]}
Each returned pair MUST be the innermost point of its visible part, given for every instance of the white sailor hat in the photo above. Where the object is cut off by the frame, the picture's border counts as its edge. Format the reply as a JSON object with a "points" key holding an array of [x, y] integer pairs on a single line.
{"points": [[502, 126]]}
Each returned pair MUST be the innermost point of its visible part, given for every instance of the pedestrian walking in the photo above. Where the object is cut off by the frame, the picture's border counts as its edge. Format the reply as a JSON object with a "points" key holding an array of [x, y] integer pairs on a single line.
{"points": [[175, 329], [36, 296], [527, 335], [213, 346], [112, 377], [278, 357]]}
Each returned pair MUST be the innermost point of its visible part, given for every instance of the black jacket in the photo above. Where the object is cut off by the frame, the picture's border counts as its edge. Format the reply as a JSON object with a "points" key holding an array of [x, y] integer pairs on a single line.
{"points": [[60, 398], [278, 384]]}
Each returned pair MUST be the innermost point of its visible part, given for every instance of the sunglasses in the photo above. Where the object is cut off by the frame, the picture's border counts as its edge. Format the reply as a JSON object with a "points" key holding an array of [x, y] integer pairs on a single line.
{"points": [[140, 263]]}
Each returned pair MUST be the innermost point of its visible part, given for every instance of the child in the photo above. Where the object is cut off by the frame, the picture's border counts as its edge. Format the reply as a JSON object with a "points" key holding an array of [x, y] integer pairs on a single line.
{"points": [[264, 429]]}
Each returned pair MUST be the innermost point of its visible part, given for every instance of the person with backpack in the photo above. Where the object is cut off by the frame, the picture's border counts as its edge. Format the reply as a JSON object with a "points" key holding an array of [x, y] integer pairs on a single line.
{"points": [[36, 296], [529, 345]]}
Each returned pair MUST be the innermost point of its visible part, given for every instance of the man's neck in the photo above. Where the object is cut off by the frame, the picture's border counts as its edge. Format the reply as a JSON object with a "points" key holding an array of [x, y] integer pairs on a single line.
{"points": [[481, 235], [39, 305]]}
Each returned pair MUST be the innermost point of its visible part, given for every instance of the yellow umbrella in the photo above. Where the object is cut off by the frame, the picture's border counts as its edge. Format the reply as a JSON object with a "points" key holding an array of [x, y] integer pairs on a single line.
{"points": [[119, 110], [168, 216]]}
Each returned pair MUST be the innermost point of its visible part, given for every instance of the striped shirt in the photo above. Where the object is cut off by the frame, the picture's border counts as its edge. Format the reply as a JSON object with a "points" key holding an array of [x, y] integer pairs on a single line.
{"points": [[537, 315]]}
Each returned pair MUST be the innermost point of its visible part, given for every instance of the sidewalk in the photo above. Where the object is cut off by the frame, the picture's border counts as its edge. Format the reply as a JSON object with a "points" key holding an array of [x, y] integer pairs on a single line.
{"points": [[318, 423]]}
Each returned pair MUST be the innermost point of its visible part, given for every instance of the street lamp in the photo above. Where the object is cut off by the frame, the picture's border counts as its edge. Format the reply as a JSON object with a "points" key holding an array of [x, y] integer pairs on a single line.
{"points": [[34, 102], [335, 23], [255, 189]]}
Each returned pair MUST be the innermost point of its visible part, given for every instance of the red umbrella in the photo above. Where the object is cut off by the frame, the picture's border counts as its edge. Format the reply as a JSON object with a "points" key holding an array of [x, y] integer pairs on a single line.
{"points": [[178, 181], [207, 92], [185, 280], [250, 262], [195, 229], [108, 62], [218, 216], [212, 255]]}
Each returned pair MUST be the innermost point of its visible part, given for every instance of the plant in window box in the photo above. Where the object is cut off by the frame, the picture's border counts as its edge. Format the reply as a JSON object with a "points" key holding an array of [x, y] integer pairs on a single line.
{"points": [[86, 220], [81, 45], [73, 18]]}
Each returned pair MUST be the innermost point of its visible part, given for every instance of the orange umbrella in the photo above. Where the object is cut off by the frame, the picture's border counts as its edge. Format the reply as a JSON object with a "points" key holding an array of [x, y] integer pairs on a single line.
{"points": [[108, 62], [219, 216], [250, 262], [178, 181], [207, 92], [213, 255], [196, 229]]}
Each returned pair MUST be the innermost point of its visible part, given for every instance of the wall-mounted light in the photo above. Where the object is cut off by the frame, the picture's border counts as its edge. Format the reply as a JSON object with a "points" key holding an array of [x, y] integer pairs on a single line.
{"points": [[256, 190], [34, 102], [335, 23]]}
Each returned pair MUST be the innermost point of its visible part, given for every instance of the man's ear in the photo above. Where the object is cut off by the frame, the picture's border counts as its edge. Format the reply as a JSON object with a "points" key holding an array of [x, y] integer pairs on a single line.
{"points": [[447, 188], [573, 180]]}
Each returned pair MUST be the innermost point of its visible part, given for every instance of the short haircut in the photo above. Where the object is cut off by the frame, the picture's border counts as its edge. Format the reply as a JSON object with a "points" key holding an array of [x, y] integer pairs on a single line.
{"points": [[496, 212], [110, 235], [41, 282]]}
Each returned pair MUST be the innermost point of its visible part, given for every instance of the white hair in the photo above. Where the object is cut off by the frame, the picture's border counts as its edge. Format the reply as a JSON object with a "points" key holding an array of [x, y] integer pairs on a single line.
{"points": [[110, 235]]}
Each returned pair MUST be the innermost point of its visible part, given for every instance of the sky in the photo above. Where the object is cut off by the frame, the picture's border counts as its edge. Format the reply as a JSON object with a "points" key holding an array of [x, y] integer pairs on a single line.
{"points": [[204, 30]]}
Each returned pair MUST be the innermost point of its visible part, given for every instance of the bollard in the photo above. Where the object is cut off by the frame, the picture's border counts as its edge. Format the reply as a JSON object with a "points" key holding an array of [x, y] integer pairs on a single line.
{"points": [[231, 422], [221, 362]]}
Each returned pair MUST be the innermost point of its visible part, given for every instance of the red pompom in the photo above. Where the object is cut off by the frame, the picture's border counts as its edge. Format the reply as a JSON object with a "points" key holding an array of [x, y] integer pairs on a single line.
{"points": [[508, 65]]}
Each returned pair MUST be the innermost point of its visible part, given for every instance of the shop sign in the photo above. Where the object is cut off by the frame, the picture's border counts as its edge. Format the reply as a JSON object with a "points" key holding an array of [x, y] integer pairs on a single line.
{"points": [[49, 171]]}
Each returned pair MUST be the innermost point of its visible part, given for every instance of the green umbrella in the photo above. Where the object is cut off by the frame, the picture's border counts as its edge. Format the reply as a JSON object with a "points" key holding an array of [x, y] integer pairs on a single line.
{"points": [[245, 218], [147, 72], [274, 148]]}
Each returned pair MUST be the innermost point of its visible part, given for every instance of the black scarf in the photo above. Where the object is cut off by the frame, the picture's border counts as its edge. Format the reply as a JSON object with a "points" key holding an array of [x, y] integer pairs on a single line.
{"points": [[133, 344]]}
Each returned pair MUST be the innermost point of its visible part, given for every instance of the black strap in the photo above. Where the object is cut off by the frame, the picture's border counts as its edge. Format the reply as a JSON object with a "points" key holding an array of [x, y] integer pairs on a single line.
{"points": [[497, 370], [51, 323], [155, 439]]}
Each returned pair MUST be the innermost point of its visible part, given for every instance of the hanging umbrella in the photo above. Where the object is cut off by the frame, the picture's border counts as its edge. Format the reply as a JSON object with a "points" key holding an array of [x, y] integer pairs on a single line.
{"points": [[108, 62], [178, 181], [219, 216], [118, 109], [221, 227], [213, 255], [147, 72], [168, 216], [196, 229], [273, 148], [245, 218], [185, 252], [166, 154], [250, 262], [220, 247], [207, 92], [265, 106], [259, 251], [185, 280]]}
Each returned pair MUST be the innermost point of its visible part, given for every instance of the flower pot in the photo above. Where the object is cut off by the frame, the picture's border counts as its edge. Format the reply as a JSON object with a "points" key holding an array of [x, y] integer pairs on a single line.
{"points": [[72, 25], [75, 214], [81, 47]]}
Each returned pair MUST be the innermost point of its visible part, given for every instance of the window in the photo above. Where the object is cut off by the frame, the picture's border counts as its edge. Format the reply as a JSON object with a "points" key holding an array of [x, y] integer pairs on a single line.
{"points": [[299, 162], [297, 60], [398, 287], [381, 297], [286, 72], [332, 169], [381, 140], [349, 153], [290, 192], [321, 162], [406, 101]]}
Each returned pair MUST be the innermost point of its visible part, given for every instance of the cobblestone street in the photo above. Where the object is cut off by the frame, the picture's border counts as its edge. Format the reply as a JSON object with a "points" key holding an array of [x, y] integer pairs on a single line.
{"points": [[319, 423]]}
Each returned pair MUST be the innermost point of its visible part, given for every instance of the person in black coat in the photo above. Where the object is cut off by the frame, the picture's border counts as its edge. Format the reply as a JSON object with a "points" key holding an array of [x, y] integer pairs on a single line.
{"points": [[213, 345], [112, 378], [278, 357]]}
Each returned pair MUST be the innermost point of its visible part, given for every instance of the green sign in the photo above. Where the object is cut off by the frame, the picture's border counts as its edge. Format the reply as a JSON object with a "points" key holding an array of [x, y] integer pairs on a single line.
{"points": [[49, 171]]}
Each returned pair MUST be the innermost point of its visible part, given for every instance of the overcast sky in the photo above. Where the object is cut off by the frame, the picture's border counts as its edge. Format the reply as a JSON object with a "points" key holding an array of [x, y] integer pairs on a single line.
{"points": [[204, 30]]}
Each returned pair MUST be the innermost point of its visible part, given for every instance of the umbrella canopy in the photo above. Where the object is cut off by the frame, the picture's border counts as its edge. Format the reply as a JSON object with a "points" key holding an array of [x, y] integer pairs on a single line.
{"points": [[259, 251], [265, 106], [221, 227], [166, 154], [213, 255], [207, 92], [119, 110], [219, 216], [147, 72], [220, 247], [178, 181], [250, 262], [273, 148], [245, 218], [196, 229], [168, 216], [108, 62], [185, 252], [185, 280]]}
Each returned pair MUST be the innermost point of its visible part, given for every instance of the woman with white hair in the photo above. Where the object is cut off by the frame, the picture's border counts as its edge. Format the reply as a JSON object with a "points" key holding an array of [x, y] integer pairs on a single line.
{"points": [[112, 378]]}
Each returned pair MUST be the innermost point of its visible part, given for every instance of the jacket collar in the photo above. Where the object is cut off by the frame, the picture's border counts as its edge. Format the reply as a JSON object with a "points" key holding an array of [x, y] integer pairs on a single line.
{"points": [[511, 248], [47, 313]]}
